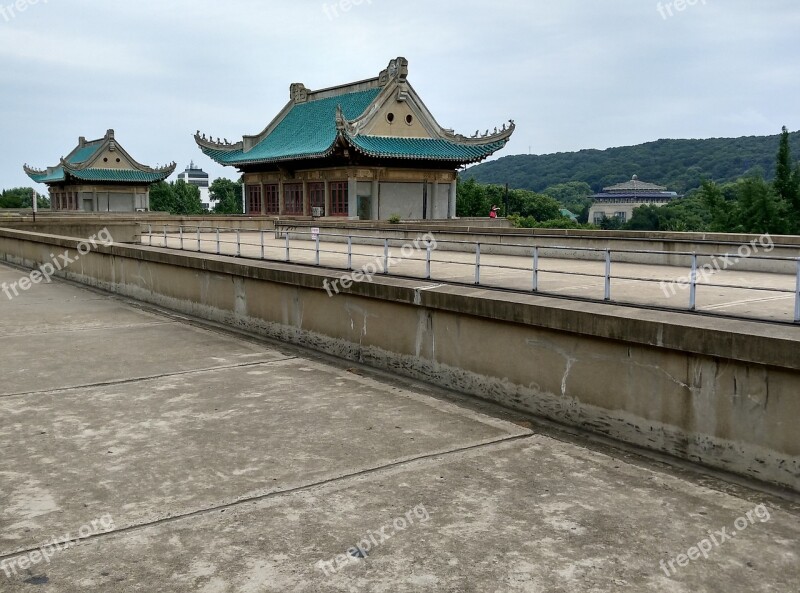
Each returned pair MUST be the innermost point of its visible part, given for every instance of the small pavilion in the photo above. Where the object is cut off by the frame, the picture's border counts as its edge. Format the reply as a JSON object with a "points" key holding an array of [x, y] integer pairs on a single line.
{"points": [[99, 176]]}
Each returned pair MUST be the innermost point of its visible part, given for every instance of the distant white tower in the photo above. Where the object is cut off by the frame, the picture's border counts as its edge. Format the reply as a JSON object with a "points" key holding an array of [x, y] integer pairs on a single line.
{"points": [[197, 177]]}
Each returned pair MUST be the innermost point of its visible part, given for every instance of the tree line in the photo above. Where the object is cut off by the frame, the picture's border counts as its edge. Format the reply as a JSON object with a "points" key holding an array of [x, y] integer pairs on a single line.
{"points": [[681, 165], [753, 203], [181, 198], [22, 197]]}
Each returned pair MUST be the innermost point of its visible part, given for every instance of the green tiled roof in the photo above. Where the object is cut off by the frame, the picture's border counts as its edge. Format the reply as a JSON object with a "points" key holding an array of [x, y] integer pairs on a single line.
{"points": [[53, 177], [101, 175], [307, 130], [424, 148], [83, 154], [117, 175], [76, 166]]}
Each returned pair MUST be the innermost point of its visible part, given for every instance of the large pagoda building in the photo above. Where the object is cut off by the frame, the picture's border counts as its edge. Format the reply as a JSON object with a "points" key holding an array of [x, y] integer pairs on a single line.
{"points": [[99, 176], [368, 149]]}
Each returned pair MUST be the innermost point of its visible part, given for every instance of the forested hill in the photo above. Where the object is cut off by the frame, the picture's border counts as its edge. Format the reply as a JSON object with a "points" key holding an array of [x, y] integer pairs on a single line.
{"points": [[681, 165]]}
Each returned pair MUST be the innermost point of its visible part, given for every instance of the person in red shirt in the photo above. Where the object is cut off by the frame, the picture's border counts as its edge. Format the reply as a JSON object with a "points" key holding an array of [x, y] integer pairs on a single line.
{"points": [[493, 212]]}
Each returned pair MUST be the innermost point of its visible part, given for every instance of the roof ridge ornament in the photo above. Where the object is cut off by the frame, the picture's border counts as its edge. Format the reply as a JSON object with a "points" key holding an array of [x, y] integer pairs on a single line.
{"points": [[397, 69], [298, 92], [342, 125]]}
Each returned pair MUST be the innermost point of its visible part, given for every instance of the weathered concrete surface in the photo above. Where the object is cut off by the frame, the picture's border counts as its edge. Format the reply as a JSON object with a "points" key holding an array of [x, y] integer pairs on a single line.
{"points": [[719, 392], [232, 476]]}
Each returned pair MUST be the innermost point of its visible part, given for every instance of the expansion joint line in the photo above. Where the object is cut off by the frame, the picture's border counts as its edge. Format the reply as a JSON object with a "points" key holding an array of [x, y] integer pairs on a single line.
{"points": [[254, 499]]}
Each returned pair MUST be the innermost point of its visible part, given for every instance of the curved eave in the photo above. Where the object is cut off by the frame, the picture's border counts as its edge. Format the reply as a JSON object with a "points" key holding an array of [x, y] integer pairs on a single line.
{"points": [[424, 149], [490, 138], [45, 176], [238, 158], [100, 175]]}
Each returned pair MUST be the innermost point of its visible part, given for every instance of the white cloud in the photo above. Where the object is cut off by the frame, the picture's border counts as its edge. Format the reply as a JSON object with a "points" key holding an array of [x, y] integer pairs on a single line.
{"points": [[573, 74]]}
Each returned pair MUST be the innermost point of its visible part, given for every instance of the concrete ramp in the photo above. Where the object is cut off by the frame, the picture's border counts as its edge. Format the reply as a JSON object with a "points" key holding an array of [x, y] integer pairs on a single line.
{"points": [[145, 451]]}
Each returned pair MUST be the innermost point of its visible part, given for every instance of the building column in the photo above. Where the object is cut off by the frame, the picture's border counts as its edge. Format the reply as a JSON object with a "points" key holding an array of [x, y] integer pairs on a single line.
{"points": [[281, 197], [327, 199], [306, 199], [451, 202], [375, 197], [435, 201], [352, 195], [244, 195], [263, 198]]}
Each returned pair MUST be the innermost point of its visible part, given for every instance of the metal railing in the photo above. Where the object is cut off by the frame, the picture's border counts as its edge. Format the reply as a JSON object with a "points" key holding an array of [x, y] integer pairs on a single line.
{"points": [[305, 247]]}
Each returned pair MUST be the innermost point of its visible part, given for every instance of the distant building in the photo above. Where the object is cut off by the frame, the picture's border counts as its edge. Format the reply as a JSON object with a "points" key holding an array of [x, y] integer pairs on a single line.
{"points": [[568, 214], [99, 176], [618, 201], [199, 178], [368, 149]]}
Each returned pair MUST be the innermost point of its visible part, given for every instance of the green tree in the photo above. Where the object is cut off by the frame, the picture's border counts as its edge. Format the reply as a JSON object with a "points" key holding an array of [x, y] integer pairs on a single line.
{"points": [[759, 208], [228, 196], [718, 207], [21, 197], [162, 197], [787, 182], [610, 224], [527, 203], [645, 218], [471, 199], [573, 196], [188, 199], [176, 198]]}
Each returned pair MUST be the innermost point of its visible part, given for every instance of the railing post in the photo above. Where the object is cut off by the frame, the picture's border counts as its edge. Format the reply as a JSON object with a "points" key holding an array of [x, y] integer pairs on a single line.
{"points": [[607, 291], [218, 245], [386, 256], [693, 284], [261, 241], [535, 269], [180, 231], [199, 249], [287, 247], [428, 262], [150, 234], [349, 252], [165, 235], [477, 263], [317, 249], [238, 243], [797, 296]]}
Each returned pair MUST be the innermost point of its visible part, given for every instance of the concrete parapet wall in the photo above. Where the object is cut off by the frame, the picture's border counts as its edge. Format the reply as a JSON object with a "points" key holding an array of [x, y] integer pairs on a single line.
{"points": [[143, 220], [122, 232], [672, 251], [721, 392]]}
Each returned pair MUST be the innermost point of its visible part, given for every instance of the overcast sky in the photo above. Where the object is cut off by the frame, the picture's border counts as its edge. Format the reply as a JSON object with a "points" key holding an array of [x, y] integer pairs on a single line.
{"points": [[572, 73]]}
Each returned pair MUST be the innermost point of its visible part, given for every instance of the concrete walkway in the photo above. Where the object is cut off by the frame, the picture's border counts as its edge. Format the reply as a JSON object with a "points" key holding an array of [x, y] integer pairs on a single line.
{"points": [[188, 458], [740, 293]]}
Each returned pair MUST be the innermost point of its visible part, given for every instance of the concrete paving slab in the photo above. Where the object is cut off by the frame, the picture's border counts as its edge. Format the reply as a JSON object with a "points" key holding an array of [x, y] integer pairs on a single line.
{"points": [[536, 515], [35, 362], [187, 459], [147, 450]]}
